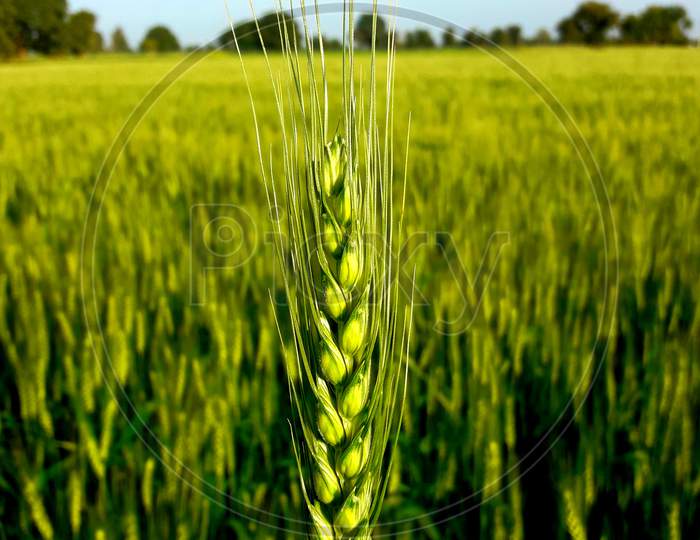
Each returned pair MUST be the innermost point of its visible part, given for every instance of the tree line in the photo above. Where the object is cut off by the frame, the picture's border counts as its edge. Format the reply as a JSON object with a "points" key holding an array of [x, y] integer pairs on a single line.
{"points": [[46, 27], [596, 23], [592, 23]]}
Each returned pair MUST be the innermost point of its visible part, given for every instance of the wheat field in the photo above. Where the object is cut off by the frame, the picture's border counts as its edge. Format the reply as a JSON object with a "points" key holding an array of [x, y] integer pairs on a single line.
{"points": [[554, 382]]}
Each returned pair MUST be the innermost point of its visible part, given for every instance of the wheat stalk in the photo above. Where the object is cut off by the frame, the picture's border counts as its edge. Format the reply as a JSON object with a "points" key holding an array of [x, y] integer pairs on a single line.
{"points": [[347, 376]]}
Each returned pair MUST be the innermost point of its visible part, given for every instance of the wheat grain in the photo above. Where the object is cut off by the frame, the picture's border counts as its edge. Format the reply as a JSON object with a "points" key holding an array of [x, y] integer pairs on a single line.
{"points": [[147, 485], [574, 522], [37, 509], [75, 496], [674, 521], [131, 526]]}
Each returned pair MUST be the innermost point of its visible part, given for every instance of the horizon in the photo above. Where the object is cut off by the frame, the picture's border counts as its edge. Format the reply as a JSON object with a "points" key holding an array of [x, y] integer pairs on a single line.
{"points": [[200, 22]]}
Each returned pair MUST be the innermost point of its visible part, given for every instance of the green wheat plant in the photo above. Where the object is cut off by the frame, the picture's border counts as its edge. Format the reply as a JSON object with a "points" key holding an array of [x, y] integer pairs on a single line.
{"points": [[208, 380], [347, 380]]}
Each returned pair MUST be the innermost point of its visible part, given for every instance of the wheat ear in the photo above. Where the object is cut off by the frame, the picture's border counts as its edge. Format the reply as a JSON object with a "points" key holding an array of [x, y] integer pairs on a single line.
{"points": [[348, 380]]}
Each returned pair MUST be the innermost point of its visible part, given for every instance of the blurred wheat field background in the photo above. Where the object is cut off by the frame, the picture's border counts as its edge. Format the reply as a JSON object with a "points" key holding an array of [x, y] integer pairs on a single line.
{"points": [[203, 450]]}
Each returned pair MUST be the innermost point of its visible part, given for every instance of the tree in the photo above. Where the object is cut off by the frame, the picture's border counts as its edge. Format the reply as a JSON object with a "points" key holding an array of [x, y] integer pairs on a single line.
{"points": [[329, 44], [159, 39], [80, 34], [419, 39], [270, 26], [590, 24], [364, 28], [542, 37], [474, 38], [498, 36], [630, 30], [514, 35], [569, 32], [665, 25], [98, 43], [449, 38], [119, 43], [8, 29], [510, 36], [40, 25]]}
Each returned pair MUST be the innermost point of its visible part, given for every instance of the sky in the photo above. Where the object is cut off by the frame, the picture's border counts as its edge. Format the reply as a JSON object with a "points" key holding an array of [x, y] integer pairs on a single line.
{"points": [[196, 22]]}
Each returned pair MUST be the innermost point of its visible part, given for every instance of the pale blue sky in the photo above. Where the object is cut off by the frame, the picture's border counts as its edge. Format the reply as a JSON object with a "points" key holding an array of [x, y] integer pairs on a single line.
{"points": [[199, 21]]}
